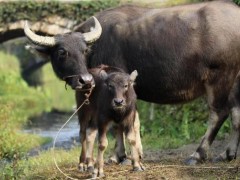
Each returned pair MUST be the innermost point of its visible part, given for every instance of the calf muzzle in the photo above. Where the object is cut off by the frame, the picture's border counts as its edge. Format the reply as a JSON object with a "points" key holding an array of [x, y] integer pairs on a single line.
{"points": [[118, 102]]}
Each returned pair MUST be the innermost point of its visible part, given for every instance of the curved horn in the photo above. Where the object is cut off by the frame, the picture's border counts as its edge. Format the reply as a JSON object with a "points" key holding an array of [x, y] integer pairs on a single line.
{"points": [[95, 33], [37, 39]]}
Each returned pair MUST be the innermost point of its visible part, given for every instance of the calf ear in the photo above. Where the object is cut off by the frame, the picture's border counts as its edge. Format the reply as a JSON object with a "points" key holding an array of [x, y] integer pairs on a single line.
{"points": [[103, 74], [133, 75]]}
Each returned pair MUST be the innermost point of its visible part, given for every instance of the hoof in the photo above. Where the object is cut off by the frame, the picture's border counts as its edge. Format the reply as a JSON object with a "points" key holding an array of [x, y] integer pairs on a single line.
{"points": [[143, 167], [90, 169], [81, 168], [192, 161], [94, 176], [218, 159], [111, 161], [126, 162], [101, 175], [97, 175], [138, 169], [223, 158]]}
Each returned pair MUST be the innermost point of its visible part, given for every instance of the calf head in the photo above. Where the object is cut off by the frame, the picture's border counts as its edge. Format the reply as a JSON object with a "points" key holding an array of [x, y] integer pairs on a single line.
{"points": [[119, 87], [67, 53]]}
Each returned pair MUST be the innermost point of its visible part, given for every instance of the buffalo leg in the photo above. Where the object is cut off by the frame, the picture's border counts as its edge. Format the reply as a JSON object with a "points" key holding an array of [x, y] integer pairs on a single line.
{"points": [[231, 151], [131, 138], [102, 145], [120, 155], [219, 111], [91, 136], [82, 134], [138, 136], [119, 152]]}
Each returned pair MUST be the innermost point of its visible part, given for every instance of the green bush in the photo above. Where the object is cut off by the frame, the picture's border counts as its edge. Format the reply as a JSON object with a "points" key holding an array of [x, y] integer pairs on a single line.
{"points": [[175, 125], [17, 103], [35, 11], [237, 2]]}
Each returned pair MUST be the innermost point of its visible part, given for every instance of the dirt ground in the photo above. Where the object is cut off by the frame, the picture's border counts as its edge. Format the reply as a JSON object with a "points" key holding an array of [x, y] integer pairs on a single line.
{"points": [[168, 164]]}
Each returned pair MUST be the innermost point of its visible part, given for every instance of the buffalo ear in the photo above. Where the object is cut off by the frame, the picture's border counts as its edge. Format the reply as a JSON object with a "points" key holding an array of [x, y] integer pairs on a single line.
{"points": [[133, 76], [103, 75], [41, 50]]}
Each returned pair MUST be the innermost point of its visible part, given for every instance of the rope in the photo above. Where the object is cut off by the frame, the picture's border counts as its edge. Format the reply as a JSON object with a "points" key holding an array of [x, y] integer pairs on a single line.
{"points": [[86, 101]]}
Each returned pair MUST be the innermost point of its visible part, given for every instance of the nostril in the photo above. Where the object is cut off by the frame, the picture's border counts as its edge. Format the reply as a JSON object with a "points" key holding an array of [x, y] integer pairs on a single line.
{"points": [[86, 79], [81, 81], [118, 101]]}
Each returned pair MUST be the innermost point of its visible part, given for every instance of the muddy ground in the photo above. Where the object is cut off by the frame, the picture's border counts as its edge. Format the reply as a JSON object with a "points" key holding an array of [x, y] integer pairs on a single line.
{"points": [[168, 164]]}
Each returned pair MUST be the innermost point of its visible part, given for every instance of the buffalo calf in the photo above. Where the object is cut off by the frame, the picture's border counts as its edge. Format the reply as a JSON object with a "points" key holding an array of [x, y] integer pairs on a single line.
{"points": [[112, 99], [116, 103]]}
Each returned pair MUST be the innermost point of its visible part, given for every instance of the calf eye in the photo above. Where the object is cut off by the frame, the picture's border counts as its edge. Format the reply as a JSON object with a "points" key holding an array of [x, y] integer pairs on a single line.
{"points": [[126, 86], [62, 53], [110, 86]]}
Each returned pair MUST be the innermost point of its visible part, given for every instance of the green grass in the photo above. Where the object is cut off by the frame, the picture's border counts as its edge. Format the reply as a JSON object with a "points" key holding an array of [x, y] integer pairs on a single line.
{"points": [[176, 125], [43, 166], [17, 103]]}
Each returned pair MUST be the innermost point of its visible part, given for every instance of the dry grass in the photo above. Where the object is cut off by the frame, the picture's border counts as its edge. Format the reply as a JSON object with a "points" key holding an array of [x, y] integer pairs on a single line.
{"points": [[168, 167]]}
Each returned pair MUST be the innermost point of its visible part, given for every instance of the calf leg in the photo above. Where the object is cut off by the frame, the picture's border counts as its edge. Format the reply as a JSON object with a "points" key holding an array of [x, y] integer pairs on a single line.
{"points": [[120, 155], [219, 111], [102, 145], [131, 138], [82, 158], [138, 136], [82, 134], [91, 136], [119, 152]]}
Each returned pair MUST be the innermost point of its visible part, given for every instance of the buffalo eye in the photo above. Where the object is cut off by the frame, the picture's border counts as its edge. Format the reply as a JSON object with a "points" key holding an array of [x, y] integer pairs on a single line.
{"points": [[110, 86], [126, 86], [62, 53], [86, 51]]}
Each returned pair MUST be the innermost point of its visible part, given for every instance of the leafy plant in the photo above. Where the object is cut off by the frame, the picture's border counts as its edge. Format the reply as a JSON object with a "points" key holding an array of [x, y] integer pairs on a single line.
{"points": [[237, 2], [31, 10], [175, 125], [17, 102]]}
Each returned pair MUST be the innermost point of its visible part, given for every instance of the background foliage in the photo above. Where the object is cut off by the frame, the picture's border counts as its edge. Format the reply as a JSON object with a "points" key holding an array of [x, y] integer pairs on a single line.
{"points": [[17, 102], [237, 2], [35, 11]]}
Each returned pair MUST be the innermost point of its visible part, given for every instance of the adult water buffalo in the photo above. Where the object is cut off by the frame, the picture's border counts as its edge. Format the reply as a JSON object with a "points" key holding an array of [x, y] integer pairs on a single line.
{"points": [[179, 52]]}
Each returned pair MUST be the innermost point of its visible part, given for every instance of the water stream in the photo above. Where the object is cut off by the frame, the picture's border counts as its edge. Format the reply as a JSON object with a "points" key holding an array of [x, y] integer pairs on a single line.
{"points": [[48, 125]]}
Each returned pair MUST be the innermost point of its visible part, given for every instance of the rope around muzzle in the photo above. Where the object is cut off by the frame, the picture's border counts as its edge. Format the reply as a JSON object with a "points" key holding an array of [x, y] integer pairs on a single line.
{"points": [[86, 101], [70, 76]]}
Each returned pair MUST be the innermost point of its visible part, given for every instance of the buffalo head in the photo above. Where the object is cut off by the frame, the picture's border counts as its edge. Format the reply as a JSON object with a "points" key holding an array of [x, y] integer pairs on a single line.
{"points": [[67, 53], [119, 89]]}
